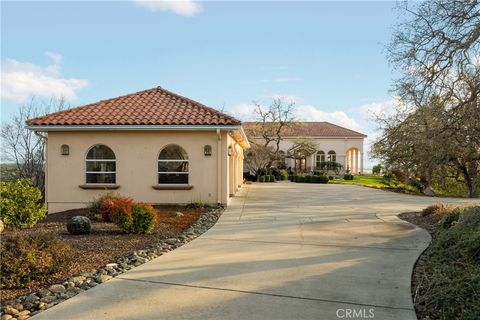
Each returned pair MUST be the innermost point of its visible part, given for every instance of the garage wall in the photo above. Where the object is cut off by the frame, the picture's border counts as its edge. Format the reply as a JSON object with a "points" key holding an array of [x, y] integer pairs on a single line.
{"points": [[136, 154]]}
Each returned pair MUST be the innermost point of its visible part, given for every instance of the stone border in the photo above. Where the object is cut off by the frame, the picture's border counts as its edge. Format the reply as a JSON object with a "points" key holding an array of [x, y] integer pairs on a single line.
{"points": [[26, 306]]}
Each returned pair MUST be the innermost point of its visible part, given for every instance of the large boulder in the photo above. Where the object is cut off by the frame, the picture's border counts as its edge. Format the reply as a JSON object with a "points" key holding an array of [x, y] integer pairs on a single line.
{"points": [[79, 225]]}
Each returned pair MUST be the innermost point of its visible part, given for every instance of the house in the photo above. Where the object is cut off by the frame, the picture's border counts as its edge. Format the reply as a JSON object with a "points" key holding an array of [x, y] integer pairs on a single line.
{"points": [[154, 146], [305, 145]]}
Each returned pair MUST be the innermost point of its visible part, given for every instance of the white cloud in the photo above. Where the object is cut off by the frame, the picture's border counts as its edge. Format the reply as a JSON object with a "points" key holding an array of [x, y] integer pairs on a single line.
{"points": [[311, 113], [243, 111], [186, 8], [20, 80]]}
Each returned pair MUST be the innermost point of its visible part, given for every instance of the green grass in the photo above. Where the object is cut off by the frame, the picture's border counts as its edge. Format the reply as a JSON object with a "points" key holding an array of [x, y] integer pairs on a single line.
{"points": [[367, 181]]}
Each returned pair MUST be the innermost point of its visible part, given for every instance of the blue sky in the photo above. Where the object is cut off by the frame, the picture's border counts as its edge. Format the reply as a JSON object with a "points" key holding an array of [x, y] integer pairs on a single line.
{"points": [[328, 57]]}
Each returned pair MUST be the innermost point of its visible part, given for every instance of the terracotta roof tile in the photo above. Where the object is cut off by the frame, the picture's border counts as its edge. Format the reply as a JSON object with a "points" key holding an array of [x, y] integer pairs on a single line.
{"points": [[155, 106], [309, 129]]}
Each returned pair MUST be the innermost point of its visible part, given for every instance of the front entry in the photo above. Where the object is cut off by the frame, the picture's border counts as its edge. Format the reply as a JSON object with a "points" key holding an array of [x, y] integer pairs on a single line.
{"points": [[300, 164]]}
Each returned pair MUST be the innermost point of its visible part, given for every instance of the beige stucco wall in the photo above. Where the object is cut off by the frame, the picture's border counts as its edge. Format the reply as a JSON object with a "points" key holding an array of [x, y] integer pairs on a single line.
{"points": [[339, 145], [136, 154]]}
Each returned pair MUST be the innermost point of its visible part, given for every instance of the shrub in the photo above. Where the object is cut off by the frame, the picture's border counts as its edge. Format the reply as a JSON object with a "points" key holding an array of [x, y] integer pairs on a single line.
{"points": [[31, 257], [416, 184], [399, 174], [390, 179], [292, 177], [110, 207], [261, 179], [144, 218], [96, 205], [348, 176], [272, 178], [322, 179], [283, 174], [19, 204], [198, 204], [300, 178], [432, 209], [308, 179], [377, 169], [267, 178], [449, 219], [330, 178]]}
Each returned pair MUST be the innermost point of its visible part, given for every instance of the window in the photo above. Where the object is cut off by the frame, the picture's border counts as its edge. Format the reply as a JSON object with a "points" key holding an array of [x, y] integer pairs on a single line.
{"points": [[101, 165], [172, 165], [332, 156], [320, 158]]}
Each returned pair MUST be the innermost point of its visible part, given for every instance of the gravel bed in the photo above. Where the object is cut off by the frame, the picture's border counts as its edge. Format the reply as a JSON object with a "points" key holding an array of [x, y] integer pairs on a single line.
{"points": [[35, 302]]}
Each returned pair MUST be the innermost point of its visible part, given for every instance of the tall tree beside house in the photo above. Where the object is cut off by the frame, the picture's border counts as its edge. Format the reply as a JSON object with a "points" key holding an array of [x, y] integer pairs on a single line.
{"points": [[434, 132], [427, 146], [22, 146], [272, 122], [436, 50]]}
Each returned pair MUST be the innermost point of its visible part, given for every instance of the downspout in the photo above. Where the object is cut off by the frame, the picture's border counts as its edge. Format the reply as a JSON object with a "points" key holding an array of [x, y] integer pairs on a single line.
{"points": [[44, 137], [219, 167]]}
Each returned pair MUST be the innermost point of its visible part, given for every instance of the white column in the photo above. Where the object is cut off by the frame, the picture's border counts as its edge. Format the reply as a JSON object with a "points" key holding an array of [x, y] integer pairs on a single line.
{"points": [[361, 162], [356, 161]]}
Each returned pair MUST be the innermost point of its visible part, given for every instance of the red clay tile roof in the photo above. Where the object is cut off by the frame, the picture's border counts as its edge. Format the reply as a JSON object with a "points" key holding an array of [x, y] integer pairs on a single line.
{"points": [[155, 106], [309, 129]]}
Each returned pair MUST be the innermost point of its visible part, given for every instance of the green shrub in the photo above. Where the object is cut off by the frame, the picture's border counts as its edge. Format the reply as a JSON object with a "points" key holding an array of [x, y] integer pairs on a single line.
{"points": [[144, 218], [449, 219], [283, 174], [330, 178], [348, 176], [197, 204], [308, 179], [300, 178], [19, 204], [31, 257], [453, 266], [417, 185], [272, 178], [322, 179], [261, 179], [292, 177], [267, 178]]}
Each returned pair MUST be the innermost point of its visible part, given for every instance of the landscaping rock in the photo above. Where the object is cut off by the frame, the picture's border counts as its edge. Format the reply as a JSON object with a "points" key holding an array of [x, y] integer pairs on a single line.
{"points": [[44, 299], [10, 310], [2, 226], [79, 225], [429, 192], [57, 288], [102, 278]]}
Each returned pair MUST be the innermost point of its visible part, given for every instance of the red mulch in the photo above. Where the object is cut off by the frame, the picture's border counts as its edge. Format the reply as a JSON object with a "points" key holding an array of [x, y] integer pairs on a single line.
{"points": [[104, 244]]}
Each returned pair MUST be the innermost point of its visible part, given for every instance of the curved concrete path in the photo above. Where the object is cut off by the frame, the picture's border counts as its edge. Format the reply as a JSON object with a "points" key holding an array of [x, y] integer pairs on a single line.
{"points": [[280, 251]]}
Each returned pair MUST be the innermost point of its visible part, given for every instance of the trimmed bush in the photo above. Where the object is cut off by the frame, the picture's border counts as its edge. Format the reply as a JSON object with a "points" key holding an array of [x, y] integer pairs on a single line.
{"points": [[283, 174], [19, 204], [322, 179], [267, 178], [96, 205], [144, 218], [330, 178], [272, 178], [261, 179], [300, 178], [309, 179], [106, 206], [292, 177], [348, 176], [31, 257]]}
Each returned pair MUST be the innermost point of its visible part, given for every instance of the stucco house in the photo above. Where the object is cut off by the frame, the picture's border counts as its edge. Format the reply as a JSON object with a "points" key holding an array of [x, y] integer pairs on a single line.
{"points": [[154, 146], [306, 144]]}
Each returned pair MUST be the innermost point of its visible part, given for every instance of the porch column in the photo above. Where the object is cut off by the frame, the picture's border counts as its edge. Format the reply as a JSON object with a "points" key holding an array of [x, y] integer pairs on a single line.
{"points": [[356, 161], [361, 162]]}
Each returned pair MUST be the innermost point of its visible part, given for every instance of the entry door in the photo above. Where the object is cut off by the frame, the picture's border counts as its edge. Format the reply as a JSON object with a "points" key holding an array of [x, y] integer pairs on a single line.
{"points": [[300, 164]]}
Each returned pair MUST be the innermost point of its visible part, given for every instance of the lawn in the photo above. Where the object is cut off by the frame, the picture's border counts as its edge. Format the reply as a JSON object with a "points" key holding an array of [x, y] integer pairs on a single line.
{"points": [[367, 181]]}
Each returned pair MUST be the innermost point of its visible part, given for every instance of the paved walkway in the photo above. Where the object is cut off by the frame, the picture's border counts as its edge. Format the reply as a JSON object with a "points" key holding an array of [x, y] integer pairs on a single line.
{"points": [[280, 251]]}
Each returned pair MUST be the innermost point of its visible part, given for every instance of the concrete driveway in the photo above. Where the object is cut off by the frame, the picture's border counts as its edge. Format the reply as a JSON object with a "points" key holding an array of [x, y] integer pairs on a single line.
{"points": [[280, 251]]}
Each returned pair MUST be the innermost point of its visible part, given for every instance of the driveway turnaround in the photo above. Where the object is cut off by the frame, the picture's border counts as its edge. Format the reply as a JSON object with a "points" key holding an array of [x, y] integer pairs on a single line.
{"points": [[280, 251]]}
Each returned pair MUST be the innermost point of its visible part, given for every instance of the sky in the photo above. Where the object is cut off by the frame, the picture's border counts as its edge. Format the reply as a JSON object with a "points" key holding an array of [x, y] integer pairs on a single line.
{"points": [[327, 57]]}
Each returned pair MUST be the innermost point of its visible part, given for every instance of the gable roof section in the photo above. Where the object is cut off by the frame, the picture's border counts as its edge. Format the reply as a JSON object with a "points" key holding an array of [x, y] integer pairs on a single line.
{"points": [[154, 107], [309, 129]]}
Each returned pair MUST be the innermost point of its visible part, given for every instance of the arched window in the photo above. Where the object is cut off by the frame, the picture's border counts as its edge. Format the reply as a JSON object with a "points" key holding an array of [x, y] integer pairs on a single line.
{"points": [[320, 158], [101, 165], [332, 156], [172, 165]]}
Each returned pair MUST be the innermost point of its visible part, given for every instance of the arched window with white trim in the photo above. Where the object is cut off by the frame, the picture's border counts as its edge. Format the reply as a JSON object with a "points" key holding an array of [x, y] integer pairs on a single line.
{"points": [[332, 156], [173, 166], [100, 165], [319, 158]]}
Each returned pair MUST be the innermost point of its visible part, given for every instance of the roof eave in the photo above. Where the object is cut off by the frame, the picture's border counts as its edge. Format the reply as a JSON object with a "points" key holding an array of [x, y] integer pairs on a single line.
{"points": [[46, 128]]}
